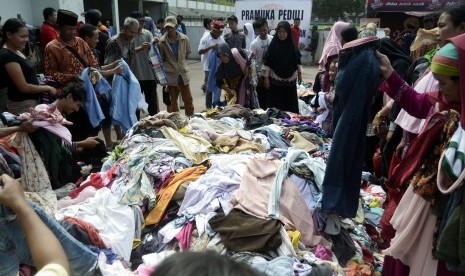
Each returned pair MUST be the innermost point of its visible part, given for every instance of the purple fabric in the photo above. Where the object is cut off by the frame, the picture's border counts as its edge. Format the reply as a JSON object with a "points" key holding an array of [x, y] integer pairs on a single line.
{"points": [[416, 104]]}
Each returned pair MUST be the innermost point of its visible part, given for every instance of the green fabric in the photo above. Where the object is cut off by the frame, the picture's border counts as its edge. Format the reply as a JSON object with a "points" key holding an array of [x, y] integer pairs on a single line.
{"points": [[451, 243], [58, 160], [449, 51]]}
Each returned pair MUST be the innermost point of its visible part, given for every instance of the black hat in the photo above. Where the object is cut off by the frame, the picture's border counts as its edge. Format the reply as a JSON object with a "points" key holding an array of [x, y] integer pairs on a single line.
{"points": [[137, 15], [93, 16], [66, 18]]}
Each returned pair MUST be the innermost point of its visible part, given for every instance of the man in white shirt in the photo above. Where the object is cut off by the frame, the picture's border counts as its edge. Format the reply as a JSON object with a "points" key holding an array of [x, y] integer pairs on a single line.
{"points": [[207, 43], [259, 47], [207, 24]]}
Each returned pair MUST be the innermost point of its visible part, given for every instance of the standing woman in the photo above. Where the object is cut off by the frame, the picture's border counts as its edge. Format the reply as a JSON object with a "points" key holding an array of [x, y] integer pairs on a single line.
{"points": [[174, 48], [281, 70], [249, 35], [18, 74]]}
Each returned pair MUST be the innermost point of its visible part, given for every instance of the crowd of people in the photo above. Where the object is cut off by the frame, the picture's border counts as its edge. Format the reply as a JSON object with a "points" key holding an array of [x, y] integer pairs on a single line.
{"points": [[367, 173]]}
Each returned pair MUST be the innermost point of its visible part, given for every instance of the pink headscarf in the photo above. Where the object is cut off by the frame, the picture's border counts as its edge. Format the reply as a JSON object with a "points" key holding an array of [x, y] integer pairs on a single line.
{"points": [[333, 43]]}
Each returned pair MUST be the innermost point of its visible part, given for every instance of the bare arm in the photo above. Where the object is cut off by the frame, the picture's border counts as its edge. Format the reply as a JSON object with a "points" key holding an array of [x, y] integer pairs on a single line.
{"points": [[45, 247], [16, 74]]}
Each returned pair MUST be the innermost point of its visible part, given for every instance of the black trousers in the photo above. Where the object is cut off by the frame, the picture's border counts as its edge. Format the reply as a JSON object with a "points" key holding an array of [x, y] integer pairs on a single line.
{"points": [[149, 88]]}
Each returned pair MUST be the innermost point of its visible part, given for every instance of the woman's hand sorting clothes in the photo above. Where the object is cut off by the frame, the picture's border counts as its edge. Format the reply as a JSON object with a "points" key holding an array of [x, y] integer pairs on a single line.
{"points": [[299, 78], [118, 69], [400, 150], [385, 65], [51, 90]]}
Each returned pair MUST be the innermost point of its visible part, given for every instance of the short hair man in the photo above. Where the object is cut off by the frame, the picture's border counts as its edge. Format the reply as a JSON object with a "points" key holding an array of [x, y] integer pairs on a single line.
{"points": [[235, 39], [295, 30], [47, 30]]}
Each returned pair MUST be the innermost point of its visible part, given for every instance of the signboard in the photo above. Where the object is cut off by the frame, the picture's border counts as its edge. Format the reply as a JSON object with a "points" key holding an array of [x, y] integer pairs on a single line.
{"points": [[374, 6], [276, 11]]}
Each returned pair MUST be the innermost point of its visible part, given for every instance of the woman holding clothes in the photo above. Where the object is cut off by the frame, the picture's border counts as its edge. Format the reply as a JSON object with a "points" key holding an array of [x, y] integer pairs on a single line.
{"points": [[174, 49], [281, 70], [429, 219]]}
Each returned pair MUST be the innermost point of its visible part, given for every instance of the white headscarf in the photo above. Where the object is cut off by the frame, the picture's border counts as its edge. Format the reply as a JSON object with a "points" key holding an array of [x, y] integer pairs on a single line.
{"points": [[250, 35]]}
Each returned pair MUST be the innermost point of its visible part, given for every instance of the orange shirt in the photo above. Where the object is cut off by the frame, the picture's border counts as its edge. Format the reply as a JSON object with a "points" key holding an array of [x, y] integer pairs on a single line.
{"points": [[62, 65]]}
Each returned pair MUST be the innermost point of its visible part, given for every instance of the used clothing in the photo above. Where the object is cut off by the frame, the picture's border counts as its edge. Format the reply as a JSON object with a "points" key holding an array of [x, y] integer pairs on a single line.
{"points": [[126, 97], [92, 106], [354, 90], [114, 221]]}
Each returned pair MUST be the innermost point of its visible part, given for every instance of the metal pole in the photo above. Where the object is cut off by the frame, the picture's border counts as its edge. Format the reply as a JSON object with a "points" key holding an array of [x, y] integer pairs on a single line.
{"points": [[115, 9]]}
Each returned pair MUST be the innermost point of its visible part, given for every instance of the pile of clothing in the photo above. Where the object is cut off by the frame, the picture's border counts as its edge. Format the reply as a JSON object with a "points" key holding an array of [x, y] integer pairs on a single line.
{"points": [[244, 183]]}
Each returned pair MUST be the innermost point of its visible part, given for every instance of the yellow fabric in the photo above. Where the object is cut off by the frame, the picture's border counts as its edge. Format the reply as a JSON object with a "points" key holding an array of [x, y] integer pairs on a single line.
{"points": [[52, 270], [444, 69], [300, 142], [360, 216], [166, 193], [195, 148], [294, 235]]}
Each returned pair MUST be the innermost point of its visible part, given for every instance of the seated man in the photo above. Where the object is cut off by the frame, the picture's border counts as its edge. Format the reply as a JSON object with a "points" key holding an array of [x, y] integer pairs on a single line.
{"points": [[58, 154]]}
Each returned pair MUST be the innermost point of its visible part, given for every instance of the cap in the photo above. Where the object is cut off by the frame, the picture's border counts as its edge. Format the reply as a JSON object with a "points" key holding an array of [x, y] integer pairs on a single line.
{"points": [[218, 25], [66, 18], [93, 16], [137, 15], [170, 21]]}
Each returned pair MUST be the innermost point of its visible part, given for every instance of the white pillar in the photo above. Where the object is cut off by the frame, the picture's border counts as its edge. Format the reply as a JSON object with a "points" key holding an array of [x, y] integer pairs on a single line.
{"points": [[115, 11]]}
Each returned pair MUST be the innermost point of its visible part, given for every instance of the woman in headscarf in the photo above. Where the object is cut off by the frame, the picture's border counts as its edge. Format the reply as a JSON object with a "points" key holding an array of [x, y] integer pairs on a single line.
{"points": [[249, 34], [331, 50], [229, 72], [281, 70], [431, 169]]}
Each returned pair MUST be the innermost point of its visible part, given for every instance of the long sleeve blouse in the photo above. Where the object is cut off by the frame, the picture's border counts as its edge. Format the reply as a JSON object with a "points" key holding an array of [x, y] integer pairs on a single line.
{"points": [[416, 104]]}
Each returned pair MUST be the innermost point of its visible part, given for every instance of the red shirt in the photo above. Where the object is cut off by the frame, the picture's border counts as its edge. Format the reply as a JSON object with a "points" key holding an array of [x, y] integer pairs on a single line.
{"points": [[296, 33], [47, 34]]}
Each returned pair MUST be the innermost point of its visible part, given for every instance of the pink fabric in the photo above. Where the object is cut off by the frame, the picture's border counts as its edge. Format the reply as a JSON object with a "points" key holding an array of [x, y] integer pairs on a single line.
{"points": [[255, 190], [184, 237], [56, 129], [360, 41], [49, 117], [415, 225], [333, 43], [416, 104], [45, 112], [412, 124], [323, 253], [238, 58]]}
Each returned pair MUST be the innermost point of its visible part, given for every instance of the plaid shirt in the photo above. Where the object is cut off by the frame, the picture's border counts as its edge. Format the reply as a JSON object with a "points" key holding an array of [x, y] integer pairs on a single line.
{"points": [[117, 48]]}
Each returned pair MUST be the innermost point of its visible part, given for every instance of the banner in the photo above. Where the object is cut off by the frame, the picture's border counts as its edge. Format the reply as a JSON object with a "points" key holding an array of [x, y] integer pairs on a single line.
{"points": [[276, 11], [374, 6]]}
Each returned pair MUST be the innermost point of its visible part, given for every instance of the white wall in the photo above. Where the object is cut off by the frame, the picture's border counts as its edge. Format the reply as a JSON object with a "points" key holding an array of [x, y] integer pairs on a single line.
{"points": [[31, 10], [10, 8], [38, 7]]}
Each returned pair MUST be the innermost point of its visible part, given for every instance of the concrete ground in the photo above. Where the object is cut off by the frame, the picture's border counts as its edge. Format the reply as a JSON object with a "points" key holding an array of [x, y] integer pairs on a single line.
{"points": [[196, 81]]}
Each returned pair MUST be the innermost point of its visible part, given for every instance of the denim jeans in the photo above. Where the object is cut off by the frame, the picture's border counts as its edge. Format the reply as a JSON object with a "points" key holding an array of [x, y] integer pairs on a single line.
{"points": [[14, 248], [357, 81]]}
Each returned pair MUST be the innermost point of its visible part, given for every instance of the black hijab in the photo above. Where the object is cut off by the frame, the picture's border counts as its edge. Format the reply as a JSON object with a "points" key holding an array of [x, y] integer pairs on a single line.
{"points": [[228, 70], [399, 59], [283, 56]]}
